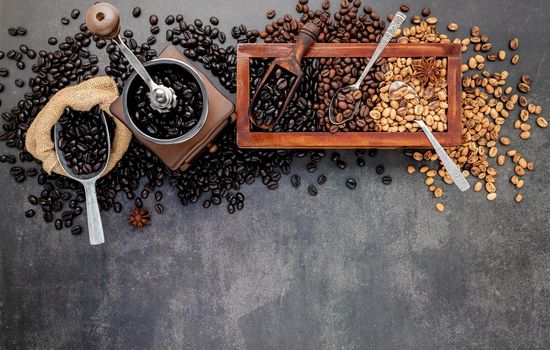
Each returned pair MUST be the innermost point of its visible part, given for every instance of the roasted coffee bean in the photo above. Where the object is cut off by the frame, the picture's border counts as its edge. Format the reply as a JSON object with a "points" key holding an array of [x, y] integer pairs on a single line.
{"points": [[341, 164], [169, 20], [214, 20], [312, 167], [426, 11], [231, 208], [271, 14], [2, 54], [75, 13], [12, 31], [76, 230], [4, 72], [373, 153], [405, 7], [155, 29], [19, 83], [52, 40], [386, 180], [360, 162], [138, 202], [206, 204], [158, 196], [159, 208], [351, 183], [312, 190], [144, 194], [153, 20], [128, 33], [31, 172], [65, 20], [321, 179], [117, 206], [136, 12], [380, 169], [20, 65], [58, 224], [296, 181], [30, 213]]}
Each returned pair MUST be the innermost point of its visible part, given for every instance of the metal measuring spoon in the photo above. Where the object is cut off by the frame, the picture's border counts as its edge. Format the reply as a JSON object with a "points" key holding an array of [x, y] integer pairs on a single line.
{"points": [[95, 227], [398, 19], [103, 20], [453, 170]]}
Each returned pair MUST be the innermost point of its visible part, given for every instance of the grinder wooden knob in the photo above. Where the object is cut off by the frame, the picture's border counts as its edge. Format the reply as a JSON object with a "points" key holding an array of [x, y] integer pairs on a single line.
{"points": [[103, 20]]}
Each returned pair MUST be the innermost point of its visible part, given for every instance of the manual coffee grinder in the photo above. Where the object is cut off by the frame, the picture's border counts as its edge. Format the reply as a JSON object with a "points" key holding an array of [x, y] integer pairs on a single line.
{"points": [[217, 111]]}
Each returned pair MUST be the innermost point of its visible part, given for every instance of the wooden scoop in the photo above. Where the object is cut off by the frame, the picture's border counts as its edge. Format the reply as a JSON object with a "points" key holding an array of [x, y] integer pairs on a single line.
{"points": [[292, 64]]}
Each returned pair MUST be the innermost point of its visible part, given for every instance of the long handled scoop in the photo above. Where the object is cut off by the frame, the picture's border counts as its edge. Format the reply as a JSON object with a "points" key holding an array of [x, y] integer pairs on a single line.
{"points": [[291, 64], [453, 170], [398, 19], [103, 20], [95, 227]]}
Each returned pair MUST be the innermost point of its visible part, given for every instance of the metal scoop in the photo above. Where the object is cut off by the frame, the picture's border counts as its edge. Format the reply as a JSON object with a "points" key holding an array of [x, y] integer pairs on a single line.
{"points": [[453, 170], [103, 20], [398, 19], [95, 227]]}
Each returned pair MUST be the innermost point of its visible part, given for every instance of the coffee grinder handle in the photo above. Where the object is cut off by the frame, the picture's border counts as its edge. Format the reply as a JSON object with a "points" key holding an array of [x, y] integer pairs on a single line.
{"points": [[103, 20], [305, 39]]}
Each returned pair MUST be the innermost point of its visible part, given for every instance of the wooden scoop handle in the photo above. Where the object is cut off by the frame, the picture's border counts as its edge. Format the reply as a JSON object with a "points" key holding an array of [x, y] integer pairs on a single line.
{"points": [[305, 39], [103, 20]]}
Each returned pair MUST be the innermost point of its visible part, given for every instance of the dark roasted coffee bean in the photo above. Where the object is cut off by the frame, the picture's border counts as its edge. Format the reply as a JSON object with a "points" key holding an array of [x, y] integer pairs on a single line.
{"points": [[271, 14], [321, 179], [351, 183], [155, 29], [144, 194], [12, 31], [136, 12], [4, 72], [169, 20], [30, 213], [75, 13], [341, 164], [405, 7], [76, 230], [386, 180], [214, 20], [373, 153], [426, 11], [153, 20], [128, 33], [138, 202], [21, 31], [58, 224], [19, 83], [32, 199], [206, 204], [158, 196], [360, 162], [20, 65], [380, 169], [117, 206], [52, 40], [159, 208], [231, 208], [296, 181], [312, 167], [312, 190], [65, 20], [2, 54]]}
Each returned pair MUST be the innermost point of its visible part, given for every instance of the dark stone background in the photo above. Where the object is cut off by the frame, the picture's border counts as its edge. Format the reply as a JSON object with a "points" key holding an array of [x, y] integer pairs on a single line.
{"points": [[375, 268]]}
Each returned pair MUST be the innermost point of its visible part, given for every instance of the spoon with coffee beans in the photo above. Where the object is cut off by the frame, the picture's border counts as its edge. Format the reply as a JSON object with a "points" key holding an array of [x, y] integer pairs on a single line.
{"points": [[103, 20], [82, 145], [453, 170], [346, 101]]}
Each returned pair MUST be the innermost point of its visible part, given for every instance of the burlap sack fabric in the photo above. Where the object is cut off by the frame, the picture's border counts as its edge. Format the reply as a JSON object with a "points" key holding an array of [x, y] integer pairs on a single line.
{"points": [[100, 91]]}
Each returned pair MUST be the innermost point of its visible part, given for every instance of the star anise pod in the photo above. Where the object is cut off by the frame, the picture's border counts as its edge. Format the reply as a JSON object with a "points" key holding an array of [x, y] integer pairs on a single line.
{"points": [[139, 218], [426, 70]]}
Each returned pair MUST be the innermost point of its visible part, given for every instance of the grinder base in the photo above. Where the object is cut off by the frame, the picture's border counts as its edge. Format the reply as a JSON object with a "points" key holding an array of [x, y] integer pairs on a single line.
{"points": [[220, 114]]}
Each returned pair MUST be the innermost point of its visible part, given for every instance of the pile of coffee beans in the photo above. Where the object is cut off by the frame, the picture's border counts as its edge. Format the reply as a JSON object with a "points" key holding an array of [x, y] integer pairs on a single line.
{"points": [[82, 139], [299, 115], [180, 118], [270, 99]]}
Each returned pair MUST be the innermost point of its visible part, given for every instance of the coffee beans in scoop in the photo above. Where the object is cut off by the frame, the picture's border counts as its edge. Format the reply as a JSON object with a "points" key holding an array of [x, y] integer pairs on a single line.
{"points": [[83, 141], [181, 118]]}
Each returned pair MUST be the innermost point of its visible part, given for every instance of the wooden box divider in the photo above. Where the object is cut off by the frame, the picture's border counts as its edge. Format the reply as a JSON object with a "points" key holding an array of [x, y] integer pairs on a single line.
{"points": [[246, 138]]}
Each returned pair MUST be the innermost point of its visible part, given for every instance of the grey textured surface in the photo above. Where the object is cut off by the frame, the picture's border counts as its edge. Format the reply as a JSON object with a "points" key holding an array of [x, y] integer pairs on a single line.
{"points": [[375, 268]]}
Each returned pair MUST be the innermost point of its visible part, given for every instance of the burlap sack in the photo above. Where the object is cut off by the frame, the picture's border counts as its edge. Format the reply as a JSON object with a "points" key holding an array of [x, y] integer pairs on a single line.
{"points": [[100, 91]]}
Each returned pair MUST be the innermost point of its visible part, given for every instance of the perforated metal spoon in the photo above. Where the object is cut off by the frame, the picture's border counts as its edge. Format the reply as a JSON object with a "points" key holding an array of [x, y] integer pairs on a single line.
{"points": [[95, 226], [453, 170]]}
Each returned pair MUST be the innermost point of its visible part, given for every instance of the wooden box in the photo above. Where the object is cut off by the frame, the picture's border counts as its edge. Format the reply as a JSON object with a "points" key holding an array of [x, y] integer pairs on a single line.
{"points": [[246, 138]]}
